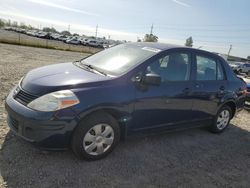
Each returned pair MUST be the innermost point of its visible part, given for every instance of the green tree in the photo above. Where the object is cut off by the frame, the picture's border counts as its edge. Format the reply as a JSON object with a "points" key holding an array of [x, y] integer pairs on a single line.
{"points": [[65, 33], [2, 23], [14, 24], [189, 42], [150, 38], [50, 29], [30, 27], [8, 23], [23, 26]]}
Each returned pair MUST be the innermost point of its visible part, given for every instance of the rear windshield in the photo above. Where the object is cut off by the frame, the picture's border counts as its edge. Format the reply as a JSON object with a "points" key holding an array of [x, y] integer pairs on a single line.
{"points": [[120, 59]]}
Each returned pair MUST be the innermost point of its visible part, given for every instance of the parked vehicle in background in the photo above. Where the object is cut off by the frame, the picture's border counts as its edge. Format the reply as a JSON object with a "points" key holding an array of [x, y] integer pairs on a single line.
{"points": [[234, 65], [247, 80], [94, 43], [84, 41], [91, 103], [73, 41], [87, 41], [55, 36], [63, 38], [244, 68]]}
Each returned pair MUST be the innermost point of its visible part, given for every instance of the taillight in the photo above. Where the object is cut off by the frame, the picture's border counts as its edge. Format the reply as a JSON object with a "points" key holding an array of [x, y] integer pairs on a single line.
{"points": [[245, 90]]}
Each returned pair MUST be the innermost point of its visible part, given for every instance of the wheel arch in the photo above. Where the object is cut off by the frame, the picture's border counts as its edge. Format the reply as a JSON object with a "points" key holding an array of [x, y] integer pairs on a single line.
{"points": [[231, 104], [115, 113]]}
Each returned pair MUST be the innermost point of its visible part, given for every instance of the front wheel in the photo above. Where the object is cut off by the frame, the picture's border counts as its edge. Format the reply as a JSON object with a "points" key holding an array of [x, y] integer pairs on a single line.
{"points": [[95, 137], [222, 119]]}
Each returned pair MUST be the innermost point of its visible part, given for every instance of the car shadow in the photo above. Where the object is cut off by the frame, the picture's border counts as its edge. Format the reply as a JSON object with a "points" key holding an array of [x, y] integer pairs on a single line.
{"points": [[191, 158]]}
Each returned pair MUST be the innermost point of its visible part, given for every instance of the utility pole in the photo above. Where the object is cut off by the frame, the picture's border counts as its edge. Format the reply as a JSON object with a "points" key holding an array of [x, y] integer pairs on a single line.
{"points": [[151, 29], [229, 50], [69, 28], [96, 30]]}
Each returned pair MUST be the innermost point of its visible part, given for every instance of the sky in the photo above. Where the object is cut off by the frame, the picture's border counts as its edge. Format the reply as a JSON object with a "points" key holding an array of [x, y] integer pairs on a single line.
{"points": [[213, 24]]}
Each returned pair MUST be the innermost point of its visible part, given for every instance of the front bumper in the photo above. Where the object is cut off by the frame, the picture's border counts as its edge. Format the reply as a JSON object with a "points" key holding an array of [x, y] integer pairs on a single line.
{"points": [[50, 130]]}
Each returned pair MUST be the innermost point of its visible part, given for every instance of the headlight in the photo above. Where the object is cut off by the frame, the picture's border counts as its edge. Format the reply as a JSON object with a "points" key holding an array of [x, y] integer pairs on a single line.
{"points": [[54, 101]]}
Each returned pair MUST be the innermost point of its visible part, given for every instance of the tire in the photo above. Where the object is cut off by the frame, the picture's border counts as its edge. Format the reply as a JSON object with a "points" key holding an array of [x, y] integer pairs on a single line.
{"points": [[248, 73], [222, 119], [95, 136]]}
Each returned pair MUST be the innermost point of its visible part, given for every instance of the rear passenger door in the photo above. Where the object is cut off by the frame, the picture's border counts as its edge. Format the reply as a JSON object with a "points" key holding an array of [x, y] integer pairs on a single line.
{"points": [[209, 86]]}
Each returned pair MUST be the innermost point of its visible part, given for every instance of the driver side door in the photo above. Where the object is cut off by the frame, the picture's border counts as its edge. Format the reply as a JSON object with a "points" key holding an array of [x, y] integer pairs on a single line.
{"points": [[170, 103]]}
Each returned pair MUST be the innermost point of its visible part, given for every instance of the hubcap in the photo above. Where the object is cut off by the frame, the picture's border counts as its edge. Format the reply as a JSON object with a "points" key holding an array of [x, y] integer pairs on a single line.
{"points": [[223, 119], [98, 139]]}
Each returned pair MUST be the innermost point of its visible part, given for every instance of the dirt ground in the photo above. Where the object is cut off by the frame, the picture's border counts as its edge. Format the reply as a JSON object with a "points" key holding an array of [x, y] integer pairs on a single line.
{"points": [[191, 158]]}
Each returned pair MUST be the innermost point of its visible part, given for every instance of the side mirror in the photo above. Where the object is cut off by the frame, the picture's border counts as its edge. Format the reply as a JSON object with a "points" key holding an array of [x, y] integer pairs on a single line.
{"points": [[152, 79]]}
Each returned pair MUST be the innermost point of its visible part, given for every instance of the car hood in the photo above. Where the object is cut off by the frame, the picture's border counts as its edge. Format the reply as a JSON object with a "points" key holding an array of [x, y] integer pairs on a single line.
{"points": [[58, 77]]}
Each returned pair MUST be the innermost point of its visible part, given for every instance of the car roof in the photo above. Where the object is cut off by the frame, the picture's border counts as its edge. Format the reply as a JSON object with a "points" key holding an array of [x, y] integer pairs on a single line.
{"points": [[161, 46], [165, 46]]}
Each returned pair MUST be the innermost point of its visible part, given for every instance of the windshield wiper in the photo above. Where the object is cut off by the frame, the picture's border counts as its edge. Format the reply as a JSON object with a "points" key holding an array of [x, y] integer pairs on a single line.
{"points": [[91, 68]]}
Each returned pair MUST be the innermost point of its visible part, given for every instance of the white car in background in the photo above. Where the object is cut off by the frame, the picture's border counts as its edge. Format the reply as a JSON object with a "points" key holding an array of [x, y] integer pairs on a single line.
{"points": [[244, 68], [73, 41], [94, 43]]}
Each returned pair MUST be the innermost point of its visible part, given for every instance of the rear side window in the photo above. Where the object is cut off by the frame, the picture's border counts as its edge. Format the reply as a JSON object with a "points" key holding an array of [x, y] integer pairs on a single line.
{"points": [[208, 69]]}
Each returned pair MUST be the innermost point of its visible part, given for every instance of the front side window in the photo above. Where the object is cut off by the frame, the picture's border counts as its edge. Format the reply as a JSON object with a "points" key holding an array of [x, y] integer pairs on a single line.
{"points": [[172, 67], [208, 69]]}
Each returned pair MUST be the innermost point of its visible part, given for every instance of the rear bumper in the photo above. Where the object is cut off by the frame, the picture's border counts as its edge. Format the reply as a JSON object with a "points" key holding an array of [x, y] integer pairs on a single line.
{"points": [[51, 130]]}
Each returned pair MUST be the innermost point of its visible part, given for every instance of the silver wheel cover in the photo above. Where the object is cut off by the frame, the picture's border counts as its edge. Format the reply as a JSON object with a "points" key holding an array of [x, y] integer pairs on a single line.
{"points": [[223, 119], [98, 139]]}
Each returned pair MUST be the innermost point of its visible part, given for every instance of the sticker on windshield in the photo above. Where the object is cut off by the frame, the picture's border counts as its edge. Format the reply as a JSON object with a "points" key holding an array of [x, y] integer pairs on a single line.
{"points": [[151, 49]]}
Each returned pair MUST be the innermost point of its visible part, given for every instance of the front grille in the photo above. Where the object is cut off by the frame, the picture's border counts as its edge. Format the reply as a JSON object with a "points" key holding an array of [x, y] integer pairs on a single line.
{"points": [[13, 123], [24, 97]]}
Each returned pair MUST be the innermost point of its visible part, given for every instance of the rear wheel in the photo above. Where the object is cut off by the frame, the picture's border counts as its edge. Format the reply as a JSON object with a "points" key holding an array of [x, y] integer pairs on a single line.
{"points": [[95, 137], [222, 119]]}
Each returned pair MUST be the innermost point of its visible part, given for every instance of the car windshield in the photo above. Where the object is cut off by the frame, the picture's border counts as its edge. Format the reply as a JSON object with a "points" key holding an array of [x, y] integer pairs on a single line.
{"points": [[120, 59]]}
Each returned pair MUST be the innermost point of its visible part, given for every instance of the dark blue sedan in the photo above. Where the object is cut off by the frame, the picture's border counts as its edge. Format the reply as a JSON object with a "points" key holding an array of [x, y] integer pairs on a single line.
{"points": [[92, 103]]}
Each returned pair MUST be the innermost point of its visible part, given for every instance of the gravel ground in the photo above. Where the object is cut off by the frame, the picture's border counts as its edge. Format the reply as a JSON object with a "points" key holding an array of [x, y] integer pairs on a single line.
{"points": [[191, 158]]}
